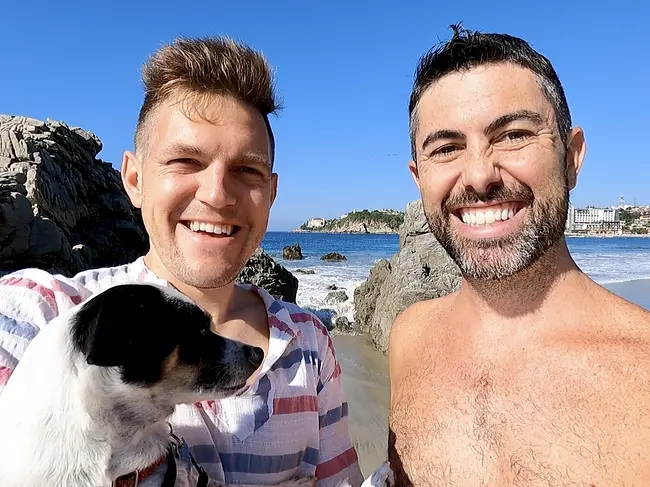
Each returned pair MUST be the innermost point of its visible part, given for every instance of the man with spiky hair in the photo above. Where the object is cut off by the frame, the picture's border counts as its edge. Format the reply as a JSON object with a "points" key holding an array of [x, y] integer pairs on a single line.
{"points": [[531, 374], [202, 174]]}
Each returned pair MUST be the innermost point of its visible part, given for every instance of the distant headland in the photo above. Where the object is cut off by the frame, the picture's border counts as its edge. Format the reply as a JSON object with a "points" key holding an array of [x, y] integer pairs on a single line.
{"points": [[357, 221]]}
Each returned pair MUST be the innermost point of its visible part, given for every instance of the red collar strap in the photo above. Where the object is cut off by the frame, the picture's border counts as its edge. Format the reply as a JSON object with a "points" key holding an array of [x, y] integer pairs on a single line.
{"points": [[134, 478]]}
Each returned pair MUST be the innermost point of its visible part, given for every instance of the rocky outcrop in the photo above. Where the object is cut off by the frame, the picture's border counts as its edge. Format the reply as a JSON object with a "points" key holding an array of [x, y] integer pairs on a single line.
{"points": [[292, 252], [64, 210], [420, 270], [335, 297], [61, 208], [264, 272], [333, 257]]}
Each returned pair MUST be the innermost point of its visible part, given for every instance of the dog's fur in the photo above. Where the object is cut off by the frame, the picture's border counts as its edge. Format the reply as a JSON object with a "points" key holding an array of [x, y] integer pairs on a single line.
{"points": [[89, 399]]}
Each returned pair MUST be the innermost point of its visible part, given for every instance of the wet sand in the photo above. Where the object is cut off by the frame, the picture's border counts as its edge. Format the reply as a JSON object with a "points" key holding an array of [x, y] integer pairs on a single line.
{"points": [[367, 388], [637, 291]]}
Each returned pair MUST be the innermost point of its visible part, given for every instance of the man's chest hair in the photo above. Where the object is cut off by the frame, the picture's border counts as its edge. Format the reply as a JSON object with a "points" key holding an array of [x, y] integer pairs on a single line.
{"points": [[475, 428]]}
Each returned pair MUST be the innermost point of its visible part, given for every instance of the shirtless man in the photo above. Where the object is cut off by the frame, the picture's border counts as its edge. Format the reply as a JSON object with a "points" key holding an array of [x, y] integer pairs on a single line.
{"points": [[531, 374]]}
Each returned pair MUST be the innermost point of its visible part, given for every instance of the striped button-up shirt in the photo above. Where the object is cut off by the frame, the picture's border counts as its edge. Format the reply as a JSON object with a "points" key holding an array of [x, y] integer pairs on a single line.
{"points": [[291, 422]]}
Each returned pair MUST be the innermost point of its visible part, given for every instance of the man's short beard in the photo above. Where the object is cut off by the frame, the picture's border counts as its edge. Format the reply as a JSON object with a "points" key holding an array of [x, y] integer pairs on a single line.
{"points": [[497, 258]]}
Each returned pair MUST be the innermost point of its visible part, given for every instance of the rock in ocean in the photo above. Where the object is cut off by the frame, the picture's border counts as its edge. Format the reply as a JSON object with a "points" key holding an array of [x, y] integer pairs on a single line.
{"points": [[421, 270]]}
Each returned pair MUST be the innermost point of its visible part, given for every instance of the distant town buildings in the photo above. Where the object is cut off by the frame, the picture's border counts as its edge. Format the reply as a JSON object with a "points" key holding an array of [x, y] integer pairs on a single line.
{"points": [[593, 220], [622, 219], [315, 223]]}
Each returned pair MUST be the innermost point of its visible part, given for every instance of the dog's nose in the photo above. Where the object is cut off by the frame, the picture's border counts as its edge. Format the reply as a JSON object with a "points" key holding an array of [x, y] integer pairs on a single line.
{"points": [[254, 355]]}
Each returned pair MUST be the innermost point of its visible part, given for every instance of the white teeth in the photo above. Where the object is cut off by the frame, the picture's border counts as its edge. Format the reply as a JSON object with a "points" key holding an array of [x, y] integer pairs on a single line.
{"points": [[476, 217], [210, 228]]}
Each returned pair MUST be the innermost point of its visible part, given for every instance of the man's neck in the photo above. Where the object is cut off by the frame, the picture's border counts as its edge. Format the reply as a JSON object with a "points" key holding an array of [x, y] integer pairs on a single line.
{"points": [[529, 293], [217, 302]]}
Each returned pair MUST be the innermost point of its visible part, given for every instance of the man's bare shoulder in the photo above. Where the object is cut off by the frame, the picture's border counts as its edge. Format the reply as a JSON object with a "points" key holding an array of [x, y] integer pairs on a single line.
{"points": [[416, 323]]}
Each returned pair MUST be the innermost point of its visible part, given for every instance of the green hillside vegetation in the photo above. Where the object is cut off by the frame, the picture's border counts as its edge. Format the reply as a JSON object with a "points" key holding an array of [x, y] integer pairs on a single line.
{"points": [[377, 217]]}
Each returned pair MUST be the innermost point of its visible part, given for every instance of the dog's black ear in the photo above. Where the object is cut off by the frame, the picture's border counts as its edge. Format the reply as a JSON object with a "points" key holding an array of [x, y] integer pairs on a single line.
{"points": [[115, 325]]}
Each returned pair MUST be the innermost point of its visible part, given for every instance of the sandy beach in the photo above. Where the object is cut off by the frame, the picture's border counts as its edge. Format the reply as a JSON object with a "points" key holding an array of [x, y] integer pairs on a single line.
{"points": [[367, 385], [367, 389], [637, 291]]}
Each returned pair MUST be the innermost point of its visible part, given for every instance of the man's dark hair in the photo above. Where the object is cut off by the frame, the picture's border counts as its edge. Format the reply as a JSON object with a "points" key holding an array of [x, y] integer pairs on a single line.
{"points": [[468, 49]]}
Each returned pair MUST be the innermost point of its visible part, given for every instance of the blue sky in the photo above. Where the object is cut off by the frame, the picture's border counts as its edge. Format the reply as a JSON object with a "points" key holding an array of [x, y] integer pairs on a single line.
{"points": [[344, 71]]}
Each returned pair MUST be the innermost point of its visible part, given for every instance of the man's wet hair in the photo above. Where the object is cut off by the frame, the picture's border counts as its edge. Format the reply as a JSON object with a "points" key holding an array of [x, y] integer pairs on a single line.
{"points": [[468, 49]]}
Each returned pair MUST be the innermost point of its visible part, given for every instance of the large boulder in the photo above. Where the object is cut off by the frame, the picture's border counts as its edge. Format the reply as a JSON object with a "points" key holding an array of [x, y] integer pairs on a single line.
{"points": [[64, 210], [61, 208], [264, 272], [421, 270]]}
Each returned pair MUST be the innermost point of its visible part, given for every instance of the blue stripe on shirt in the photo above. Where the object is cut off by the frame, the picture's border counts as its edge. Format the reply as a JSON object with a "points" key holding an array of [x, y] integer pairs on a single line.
{"points": [[333, 415], [266, 464], [22, 329]]}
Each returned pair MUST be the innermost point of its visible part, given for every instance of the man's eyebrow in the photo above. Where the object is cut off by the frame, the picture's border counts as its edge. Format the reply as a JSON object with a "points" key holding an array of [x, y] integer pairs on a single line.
{"points": [[442, 134], [504, 120], [257, 158], [181, 149]]}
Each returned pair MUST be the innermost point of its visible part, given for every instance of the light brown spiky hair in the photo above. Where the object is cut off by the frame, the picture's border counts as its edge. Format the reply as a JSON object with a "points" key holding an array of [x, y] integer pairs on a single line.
{"points": [[196, 68]]}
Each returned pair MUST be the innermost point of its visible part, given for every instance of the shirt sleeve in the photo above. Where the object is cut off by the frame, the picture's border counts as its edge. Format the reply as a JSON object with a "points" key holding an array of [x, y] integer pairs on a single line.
{"points": [[29, 299], [338, 458]]}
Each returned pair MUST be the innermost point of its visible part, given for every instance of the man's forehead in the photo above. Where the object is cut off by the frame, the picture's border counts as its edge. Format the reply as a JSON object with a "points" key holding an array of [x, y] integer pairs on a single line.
{"points": [[480, 94], [195, 127]]}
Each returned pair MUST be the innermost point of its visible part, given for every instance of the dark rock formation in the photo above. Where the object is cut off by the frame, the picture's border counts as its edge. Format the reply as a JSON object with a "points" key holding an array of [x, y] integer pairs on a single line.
{"points": [[332, 287], [64, 210], [61, 208], [305, 271], [292, 252], [420, 270], [335, 297], [264, 272], [343, 324], [334, 257]]}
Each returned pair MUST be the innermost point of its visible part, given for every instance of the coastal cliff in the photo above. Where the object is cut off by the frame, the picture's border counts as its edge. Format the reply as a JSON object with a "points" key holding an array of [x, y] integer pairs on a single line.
{"points": [[365, 221]]}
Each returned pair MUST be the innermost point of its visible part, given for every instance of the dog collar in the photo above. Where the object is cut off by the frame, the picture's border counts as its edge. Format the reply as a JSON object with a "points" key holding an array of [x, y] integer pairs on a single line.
{"points": [[134, 478]]}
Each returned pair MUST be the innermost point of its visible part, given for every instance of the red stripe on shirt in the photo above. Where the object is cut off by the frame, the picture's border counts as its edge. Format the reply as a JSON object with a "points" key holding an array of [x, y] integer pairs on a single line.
{"points": [[291, 405], [307, 318], [46, 294], [281, 325], [57, 287], [336, 464], [5, 372]]}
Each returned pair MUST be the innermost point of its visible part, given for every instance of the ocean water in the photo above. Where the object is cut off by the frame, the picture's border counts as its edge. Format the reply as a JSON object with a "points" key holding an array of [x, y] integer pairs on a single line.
{"points": [[606, 260]]}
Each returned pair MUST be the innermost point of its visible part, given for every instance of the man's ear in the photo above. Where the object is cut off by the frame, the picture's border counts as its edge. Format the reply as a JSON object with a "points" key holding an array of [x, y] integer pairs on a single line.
{"points": [[114, 325], [413, 168], [274, 187], [131, 172], [575, 155]]}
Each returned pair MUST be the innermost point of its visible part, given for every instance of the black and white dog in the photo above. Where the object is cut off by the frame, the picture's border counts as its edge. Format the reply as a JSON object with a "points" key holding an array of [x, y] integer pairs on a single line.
{"points": [[88, 402]]}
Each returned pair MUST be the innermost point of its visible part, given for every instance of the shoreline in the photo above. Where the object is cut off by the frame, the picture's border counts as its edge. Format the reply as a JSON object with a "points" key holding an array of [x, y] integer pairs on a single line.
{"points": [[625, 235]]}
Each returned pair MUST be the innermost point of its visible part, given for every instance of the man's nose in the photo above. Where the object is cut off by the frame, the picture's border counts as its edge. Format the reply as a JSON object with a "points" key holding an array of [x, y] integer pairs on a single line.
{"points": [[481, 171], [216, 187]]}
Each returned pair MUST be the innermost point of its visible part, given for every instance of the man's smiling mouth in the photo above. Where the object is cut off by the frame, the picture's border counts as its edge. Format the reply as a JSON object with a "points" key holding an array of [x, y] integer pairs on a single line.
{"points": [[488, 214], [216, 229]]}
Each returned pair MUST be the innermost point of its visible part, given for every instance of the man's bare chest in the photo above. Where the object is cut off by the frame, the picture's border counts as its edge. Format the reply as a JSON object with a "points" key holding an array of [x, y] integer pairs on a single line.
{"points": [[479, 430]]}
